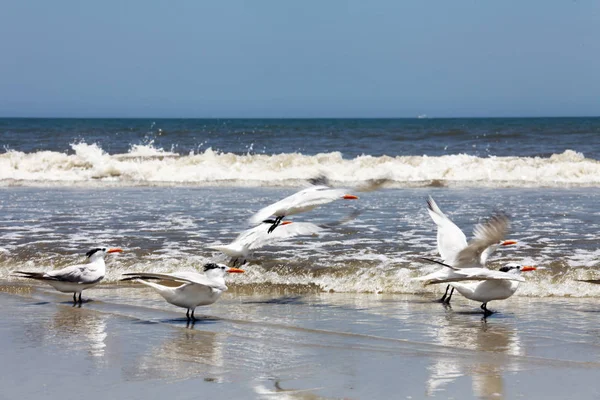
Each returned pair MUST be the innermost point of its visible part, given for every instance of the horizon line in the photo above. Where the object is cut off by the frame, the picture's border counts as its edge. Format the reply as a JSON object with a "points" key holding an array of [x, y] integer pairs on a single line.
{"points": [[307, 118]]}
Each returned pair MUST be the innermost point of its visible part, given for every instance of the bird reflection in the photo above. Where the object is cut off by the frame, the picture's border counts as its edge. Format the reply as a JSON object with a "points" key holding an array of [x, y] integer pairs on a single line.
{"points": [[278, 392], [82, 330], [485, 368], [72, 330], [181, 355]]}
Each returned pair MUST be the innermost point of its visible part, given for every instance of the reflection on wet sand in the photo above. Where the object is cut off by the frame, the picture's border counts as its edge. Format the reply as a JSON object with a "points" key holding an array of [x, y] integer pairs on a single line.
{"points": [[489, 338], [278, 392], [181, 355], [71, 330]]}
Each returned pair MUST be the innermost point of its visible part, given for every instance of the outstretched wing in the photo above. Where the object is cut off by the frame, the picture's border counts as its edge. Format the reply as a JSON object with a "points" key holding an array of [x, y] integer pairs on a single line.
{"points": [[260, 237], [473, 274], [303, 200], [450, 239], [486, 234], [183, 277]]}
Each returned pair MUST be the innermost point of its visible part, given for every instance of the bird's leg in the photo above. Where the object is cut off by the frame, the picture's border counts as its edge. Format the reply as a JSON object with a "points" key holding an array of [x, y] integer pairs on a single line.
{"points": [[193, 318], [447, 301], [443, 299], [235, 260], [486, 312], [275, 224], [80, 298], [187, 314], [74, 297]]}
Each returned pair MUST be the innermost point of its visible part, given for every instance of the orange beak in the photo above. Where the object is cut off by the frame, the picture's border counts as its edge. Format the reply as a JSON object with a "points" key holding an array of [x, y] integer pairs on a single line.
{"points": [[286, 222], [508, 242], [349, 197], [528, 268], [114, 250], [235, 271]]}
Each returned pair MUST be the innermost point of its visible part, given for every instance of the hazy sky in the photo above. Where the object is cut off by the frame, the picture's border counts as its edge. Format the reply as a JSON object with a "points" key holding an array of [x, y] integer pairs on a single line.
{"points": [[323, 58]]}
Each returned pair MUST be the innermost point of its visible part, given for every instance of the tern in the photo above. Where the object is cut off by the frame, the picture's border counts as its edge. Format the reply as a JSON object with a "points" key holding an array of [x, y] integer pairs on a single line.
{"points": [[453, 274], [489, 290], [302, 201], [257, 237], [195, 289], [76, 278], [452, 243]]}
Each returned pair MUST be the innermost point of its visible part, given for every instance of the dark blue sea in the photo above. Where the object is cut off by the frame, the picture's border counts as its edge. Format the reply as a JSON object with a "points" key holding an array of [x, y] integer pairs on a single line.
{"points": [[522, 137]]}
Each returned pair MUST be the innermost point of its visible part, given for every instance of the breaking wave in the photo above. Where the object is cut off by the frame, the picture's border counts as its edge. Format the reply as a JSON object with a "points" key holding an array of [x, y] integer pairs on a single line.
{"points": [[145, 165], [383, 276]]}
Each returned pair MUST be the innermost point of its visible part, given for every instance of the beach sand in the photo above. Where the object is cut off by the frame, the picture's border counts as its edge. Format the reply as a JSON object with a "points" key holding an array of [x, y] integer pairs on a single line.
{"points": [[128, 343]]}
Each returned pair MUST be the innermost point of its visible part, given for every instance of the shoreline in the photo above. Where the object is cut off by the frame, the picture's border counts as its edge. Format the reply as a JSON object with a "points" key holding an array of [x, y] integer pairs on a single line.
{"points": [[325, 345]]}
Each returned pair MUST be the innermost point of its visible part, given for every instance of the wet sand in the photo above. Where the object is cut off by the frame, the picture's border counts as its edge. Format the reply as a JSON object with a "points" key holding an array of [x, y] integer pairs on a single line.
{"points": [[128, 343]]}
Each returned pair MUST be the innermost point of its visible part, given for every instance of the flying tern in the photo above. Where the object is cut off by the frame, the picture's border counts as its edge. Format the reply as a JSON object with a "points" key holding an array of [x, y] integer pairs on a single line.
{"points": [[452, 243], [76, 278], [195, 289], [453, 274], [257, 237], [302, 201]]}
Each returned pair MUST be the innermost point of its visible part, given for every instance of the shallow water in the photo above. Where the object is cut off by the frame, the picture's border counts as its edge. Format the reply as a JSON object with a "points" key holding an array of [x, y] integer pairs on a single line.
{"points": [[168, 229], [128, 342]]}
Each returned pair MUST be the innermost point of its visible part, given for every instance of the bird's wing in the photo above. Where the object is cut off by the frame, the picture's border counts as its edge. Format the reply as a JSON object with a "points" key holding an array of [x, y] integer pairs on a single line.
{"points": [[184, 277], [450, 239], [477, 274], [261, 237], [310, 197], [597, 281], [486, 234], [75, 274]]}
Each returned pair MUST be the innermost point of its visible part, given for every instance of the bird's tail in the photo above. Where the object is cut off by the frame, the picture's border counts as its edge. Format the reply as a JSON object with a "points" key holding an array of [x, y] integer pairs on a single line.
{"points": [[31, 275], [225, 249]]}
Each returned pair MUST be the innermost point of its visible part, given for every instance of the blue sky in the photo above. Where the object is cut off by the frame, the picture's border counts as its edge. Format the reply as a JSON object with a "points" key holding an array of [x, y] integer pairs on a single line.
{"points": [[385, 58]]}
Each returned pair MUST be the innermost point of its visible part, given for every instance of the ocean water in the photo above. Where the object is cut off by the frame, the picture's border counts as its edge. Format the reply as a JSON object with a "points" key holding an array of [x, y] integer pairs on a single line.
{"points": [[548, 152], [164, 190]]}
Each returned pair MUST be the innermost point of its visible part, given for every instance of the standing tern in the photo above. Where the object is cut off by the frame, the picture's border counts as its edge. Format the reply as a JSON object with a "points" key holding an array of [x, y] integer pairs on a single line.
{"points": [[302, 201], [195, 289], [452, 242], [257, 237], [76, 278], [489, 290]]}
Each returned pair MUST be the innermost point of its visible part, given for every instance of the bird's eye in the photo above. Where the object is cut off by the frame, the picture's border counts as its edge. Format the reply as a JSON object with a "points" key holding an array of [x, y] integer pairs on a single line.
{"points": [[104, 249], [222, 267]]}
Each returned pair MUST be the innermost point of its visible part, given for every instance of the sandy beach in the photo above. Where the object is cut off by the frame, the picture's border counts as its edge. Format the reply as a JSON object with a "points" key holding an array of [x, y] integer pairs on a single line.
{"points": [[128, 343]]}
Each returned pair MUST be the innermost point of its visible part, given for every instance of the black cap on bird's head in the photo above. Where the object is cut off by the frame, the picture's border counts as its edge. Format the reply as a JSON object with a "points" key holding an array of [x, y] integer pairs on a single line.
{"points": [[518, 267], [93, 251], [210, 266], [103, 250], [271, 221], [224, 268]]}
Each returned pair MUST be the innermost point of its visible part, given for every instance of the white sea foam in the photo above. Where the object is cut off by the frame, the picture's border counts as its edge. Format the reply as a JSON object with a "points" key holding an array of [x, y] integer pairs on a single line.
{"points": [[146, 165]]}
